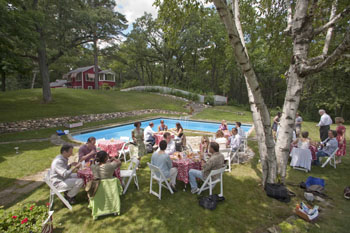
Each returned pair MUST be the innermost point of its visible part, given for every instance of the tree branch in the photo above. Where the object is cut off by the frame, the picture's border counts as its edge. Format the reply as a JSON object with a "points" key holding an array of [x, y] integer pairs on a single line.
{"points": [[337, 53], [332, 22], [330, 29], [289, 17]]}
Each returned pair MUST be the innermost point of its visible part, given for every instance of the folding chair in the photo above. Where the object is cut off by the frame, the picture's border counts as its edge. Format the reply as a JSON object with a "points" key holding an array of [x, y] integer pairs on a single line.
{"points": [[209, 183], [160, 178], [131, 173], [331, 159], [54, 191], [227, 155], [244, 144], [124, 151]]}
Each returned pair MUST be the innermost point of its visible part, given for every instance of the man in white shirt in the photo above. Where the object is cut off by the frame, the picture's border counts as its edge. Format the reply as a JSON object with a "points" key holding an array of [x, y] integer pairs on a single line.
{"points": [[235, 140], [170, 149], [62, 176], [240, 130], [324, 124], [148, 134]]}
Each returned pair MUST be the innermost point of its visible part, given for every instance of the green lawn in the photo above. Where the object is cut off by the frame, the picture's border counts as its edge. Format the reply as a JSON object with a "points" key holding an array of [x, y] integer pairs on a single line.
{"points": [[27, 104], [246, 209], [33, 158]]}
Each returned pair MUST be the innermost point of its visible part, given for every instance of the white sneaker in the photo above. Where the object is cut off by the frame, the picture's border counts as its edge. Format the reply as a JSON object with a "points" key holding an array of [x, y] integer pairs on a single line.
{"points": [[196, 190]]}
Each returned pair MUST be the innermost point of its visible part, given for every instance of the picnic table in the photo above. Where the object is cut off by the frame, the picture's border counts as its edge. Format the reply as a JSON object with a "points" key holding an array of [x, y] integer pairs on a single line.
{"points": [[111, 146], [86, 174]]}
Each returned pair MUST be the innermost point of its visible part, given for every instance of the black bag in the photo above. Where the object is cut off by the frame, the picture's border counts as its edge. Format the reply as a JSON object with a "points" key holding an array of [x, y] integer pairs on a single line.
{"points": [[208, 202], [277, 191], [347, 192]]}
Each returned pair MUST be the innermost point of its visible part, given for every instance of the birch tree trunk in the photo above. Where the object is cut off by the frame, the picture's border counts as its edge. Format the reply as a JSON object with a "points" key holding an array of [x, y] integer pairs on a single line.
{"points": [[260, 112]]}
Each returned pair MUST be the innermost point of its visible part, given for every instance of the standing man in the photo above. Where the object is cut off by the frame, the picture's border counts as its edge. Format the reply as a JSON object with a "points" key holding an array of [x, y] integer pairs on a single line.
{"points": [[324, 124], [298, 122]]}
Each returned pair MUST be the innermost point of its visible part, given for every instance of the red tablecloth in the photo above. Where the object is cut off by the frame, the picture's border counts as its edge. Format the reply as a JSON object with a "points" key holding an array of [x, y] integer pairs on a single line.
{"points": [[111, 146], [158, 137], [183, 167], [86, 174]]}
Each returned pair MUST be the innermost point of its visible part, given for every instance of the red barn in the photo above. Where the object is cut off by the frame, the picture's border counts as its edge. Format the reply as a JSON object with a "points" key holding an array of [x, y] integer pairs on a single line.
{"points": [[84, 78]]}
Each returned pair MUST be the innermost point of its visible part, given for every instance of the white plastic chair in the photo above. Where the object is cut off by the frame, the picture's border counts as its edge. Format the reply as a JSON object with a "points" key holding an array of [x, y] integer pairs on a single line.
{"points": [[124, 151], [131, 173], [160, 179], [54, 191], [244, 144], [227, 156], [209, 183], [331, 159]]}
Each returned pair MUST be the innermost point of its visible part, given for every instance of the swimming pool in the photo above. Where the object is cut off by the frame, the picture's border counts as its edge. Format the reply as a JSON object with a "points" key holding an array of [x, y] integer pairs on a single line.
{"points": [[125, 130]]}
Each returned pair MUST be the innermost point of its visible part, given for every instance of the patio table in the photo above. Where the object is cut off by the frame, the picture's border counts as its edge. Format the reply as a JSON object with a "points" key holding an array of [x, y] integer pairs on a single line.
{"points": [[183, 167], [86, 174], [111, 146]]}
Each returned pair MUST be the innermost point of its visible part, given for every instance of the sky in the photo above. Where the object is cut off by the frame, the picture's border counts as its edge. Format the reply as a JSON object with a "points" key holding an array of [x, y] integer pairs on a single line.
{"points": [[133, 9]]}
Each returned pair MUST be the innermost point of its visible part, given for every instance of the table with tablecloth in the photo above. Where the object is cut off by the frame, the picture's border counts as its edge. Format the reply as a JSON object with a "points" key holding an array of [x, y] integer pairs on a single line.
{"points": [[111, 146], [312, 148], [86, 174], [183, 167]]}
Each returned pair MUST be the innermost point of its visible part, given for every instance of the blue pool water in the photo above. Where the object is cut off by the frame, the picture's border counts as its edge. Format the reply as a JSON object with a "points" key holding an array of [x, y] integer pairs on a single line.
{"points": [[125, 130]]}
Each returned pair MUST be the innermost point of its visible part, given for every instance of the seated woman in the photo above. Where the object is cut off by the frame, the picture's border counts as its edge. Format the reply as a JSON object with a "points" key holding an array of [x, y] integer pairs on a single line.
{"points": [[223, 126], [104, 169], [178, 130], [304, 142], [88, 150], [204, 146], [220, 139], [162, 127], [301, 155], [182, 137]]}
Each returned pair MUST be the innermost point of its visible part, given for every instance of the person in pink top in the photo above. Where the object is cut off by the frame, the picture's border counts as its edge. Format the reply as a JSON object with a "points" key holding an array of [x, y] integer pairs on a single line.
{"points": [[88, 150], [340, 138]]}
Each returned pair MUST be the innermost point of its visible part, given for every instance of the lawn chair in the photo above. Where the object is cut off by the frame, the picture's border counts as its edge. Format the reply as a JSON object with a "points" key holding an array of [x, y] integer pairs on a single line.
{"points": [[106, 200], [131, 173], [244, 144], [209, 183], [331, 159], [160, 178], [227, 156], [54, 191], [124, 151]]}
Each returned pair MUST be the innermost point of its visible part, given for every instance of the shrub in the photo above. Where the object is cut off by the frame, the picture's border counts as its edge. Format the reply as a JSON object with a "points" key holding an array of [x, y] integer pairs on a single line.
{"points": [[28, 218], [209, 99], [130, 83]]}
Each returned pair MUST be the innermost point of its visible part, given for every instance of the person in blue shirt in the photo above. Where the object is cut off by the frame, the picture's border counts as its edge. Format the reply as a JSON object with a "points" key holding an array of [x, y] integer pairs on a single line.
{"points": [[162, 160], [328, 146]]}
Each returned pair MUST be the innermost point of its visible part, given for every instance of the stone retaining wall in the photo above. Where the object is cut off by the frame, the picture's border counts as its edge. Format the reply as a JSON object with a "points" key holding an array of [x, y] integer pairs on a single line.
{"points": [[19, 126]]}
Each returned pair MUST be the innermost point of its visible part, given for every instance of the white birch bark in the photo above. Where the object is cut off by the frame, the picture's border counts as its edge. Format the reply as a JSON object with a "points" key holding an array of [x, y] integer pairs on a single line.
{"points": [[268, 166], [261, 114], [330, 30]]}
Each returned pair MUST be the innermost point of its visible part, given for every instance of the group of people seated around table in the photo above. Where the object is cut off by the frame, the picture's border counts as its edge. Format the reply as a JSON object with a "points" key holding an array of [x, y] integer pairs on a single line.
{"points": [[161, 159], [330, 140], [233, 139], [64, 176]]}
